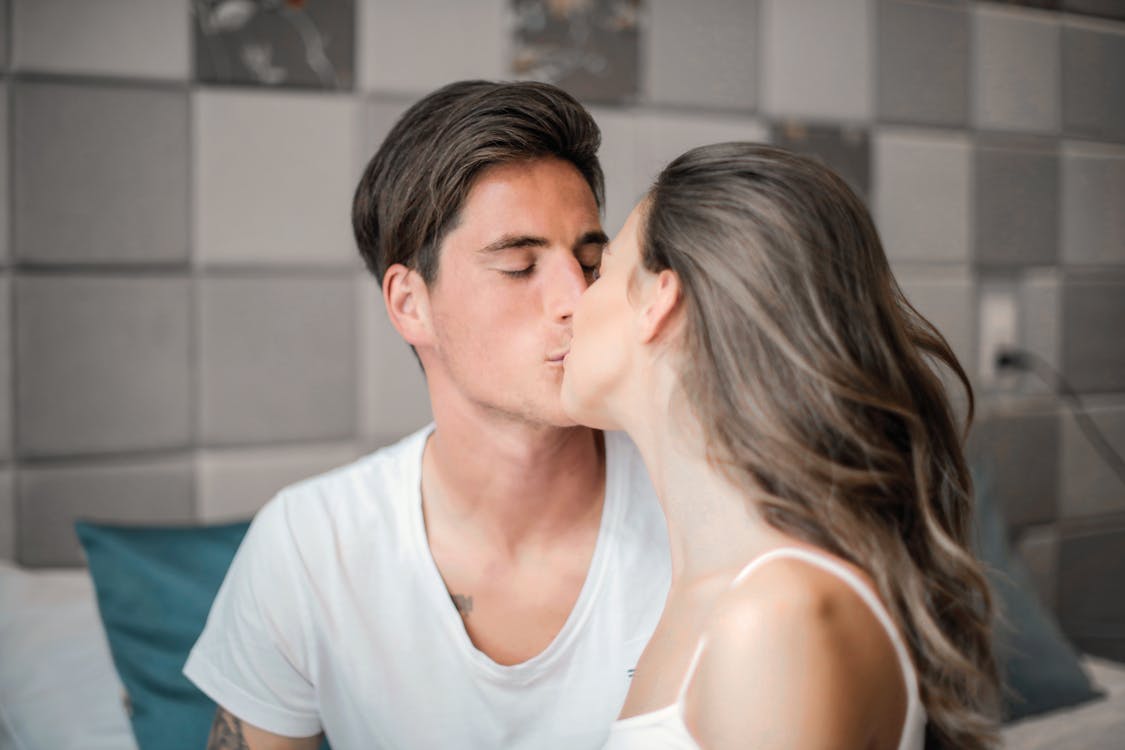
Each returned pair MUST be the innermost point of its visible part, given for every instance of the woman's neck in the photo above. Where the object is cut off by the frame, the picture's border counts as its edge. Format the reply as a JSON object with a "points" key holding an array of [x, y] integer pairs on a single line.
{"points": [[712, 524]]}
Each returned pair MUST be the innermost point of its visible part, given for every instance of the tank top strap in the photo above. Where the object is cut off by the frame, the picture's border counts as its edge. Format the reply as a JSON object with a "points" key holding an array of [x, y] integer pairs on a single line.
{"points": [[827, 563]]}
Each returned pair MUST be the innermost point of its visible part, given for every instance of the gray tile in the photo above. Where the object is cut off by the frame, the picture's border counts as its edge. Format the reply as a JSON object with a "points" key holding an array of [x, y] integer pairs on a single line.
{"points": [[1015, 207], [264, 50], [1016, 70], [1017, 455], [7, 515], [921, 188], [393, 398], [5, 45], [391, 57], [590, 49], [1103, 8], [5, 233], [278, 360], [1041, 4], [1038, 548], [1093, 82], [1091, 569], [923, 68], [274, 177], [52, 498], [100, 174], [1090, 485], [663, 136], [380, 115], [1093, 338], [102, 364], [945, 297], [1040, 323], [703, 54], [5, 368], [624, 184], [235, 483], [816, 58], [1093, 194], [129, 38], [845, 149]]}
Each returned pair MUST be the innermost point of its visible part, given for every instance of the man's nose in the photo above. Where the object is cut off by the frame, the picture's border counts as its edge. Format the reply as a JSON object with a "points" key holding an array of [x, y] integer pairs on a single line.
{"points": [[566, 285]]}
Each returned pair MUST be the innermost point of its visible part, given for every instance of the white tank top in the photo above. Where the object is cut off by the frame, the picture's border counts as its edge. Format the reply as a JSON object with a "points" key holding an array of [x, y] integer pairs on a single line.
{"points": [[664, 729]]}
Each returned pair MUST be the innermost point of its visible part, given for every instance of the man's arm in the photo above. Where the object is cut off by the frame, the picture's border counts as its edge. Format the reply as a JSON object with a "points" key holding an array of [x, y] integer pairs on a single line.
{"points": [[228, 732]]}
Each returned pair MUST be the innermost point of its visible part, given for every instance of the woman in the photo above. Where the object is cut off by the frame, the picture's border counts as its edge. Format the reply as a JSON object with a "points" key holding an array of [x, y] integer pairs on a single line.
{"points": [[747, 333]]}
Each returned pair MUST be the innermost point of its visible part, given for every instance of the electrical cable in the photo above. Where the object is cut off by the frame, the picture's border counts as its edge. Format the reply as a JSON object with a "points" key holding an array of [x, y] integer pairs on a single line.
{"points": [[1028, 361]]}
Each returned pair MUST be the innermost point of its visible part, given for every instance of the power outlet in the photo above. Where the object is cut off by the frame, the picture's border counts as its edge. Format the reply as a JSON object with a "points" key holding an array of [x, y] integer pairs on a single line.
{"points": [[999, 329]]}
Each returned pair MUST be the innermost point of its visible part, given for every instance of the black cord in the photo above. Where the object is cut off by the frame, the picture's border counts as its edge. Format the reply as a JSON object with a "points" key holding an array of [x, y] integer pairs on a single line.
{"points": [[1021, 359]]}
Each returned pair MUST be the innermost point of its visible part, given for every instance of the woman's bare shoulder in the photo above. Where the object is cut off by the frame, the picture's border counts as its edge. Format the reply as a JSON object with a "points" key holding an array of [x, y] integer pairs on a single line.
{"points": [[790, 643]]}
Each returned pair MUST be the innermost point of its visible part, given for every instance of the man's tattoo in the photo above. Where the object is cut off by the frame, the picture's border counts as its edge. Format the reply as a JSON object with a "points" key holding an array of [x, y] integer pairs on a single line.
{"points": [[463, 603], [226, 733]]}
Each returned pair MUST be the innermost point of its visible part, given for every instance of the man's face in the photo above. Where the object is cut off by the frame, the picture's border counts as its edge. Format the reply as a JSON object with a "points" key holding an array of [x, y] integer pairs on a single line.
{"points": [[510, 272]]}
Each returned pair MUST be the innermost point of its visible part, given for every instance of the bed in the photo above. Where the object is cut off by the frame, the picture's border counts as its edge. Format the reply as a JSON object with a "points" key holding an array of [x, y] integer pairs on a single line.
{"points": [[59, 689]]}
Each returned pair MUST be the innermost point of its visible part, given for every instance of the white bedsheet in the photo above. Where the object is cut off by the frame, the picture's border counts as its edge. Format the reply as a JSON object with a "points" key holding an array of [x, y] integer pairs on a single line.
{"points": [[1099, 725]]}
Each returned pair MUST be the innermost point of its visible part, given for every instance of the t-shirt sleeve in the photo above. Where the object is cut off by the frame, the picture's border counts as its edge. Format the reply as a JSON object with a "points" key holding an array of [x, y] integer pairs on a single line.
{"points": [[253, 657]]}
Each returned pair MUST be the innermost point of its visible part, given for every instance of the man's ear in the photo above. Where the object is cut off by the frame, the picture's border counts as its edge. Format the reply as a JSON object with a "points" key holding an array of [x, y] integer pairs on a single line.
{"points": [[408, 304], [660, 305]]}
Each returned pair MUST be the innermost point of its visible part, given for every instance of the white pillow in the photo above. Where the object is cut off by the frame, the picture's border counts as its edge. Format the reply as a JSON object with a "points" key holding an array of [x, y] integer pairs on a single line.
{"points": [[58, 687]]}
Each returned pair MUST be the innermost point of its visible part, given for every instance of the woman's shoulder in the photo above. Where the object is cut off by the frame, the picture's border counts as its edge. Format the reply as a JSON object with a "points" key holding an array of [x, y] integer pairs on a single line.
{"points": [[796, 636], [793, 593]]}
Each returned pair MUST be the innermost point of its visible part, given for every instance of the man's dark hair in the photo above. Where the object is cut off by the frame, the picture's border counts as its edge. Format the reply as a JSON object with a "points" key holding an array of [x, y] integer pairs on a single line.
{"points": [[412, 191]]}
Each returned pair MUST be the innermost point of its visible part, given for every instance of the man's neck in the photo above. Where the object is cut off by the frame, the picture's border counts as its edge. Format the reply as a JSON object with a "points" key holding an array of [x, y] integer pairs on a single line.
{"points": [[513, 483]]}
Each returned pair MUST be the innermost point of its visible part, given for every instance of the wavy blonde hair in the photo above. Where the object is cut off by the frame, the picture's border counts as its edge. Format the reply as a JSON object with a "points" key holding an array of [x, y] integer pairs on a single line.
{"points": [[812, 376]]}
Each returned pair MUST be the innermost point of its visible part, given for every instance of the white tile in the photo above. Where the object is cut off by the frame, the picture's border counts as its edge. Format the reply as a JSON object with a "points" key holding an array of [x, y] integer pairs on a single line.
{"points": [[618, 154], [234, 484], [134, 38], [1093, 204], [1089, 484], [922, 181], [661, 137], [419, 45], [816, 58], [274, 178], [947, 298], [393, 398], [1016, 69]]}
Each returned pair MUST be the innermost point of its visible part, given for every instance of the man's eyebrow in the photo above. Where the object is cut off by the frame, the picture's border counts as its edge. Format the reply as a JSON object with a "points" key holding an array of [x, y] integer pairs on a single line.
{"points": [[593, 238], [510, 241]]}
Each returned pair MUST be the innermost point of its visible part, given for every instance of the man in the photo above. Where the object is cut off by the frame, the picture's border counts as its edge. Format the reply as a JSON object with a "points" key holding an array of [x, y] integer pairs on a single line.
{"points": [[491, 580]]}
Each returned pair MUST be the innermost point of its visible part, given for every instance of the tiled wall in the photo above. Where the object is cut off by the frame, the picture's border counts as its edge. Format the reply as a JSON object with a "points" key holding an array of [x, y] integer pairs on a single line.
{"points": [[185, 325]]}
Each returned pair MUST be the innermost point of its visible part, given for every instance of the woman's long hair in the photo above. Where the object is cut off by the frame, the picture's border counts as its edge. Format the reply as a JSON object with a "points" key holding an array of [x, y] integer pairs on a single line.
{"points": [[813, 379]]}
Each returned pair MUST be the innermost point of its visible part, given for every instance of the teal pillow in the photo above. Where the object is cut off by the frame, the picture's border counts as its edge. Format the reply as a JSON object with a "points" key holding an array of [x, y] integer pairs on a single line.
{"points": [[1039, 668], [154, 587]]}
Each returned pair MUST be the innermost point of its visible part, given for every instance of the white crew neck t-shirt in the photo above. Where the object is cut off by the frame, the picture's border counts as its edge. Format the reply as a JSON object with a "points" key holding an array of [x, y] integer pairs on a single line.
{"points": [[334, 617]]}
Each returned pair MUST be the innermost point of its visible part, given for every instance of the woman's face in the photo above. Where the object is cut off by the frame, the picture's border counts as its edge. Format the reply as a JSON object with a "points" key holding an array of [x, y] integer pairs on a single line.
{"points": [[601, 350]]}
